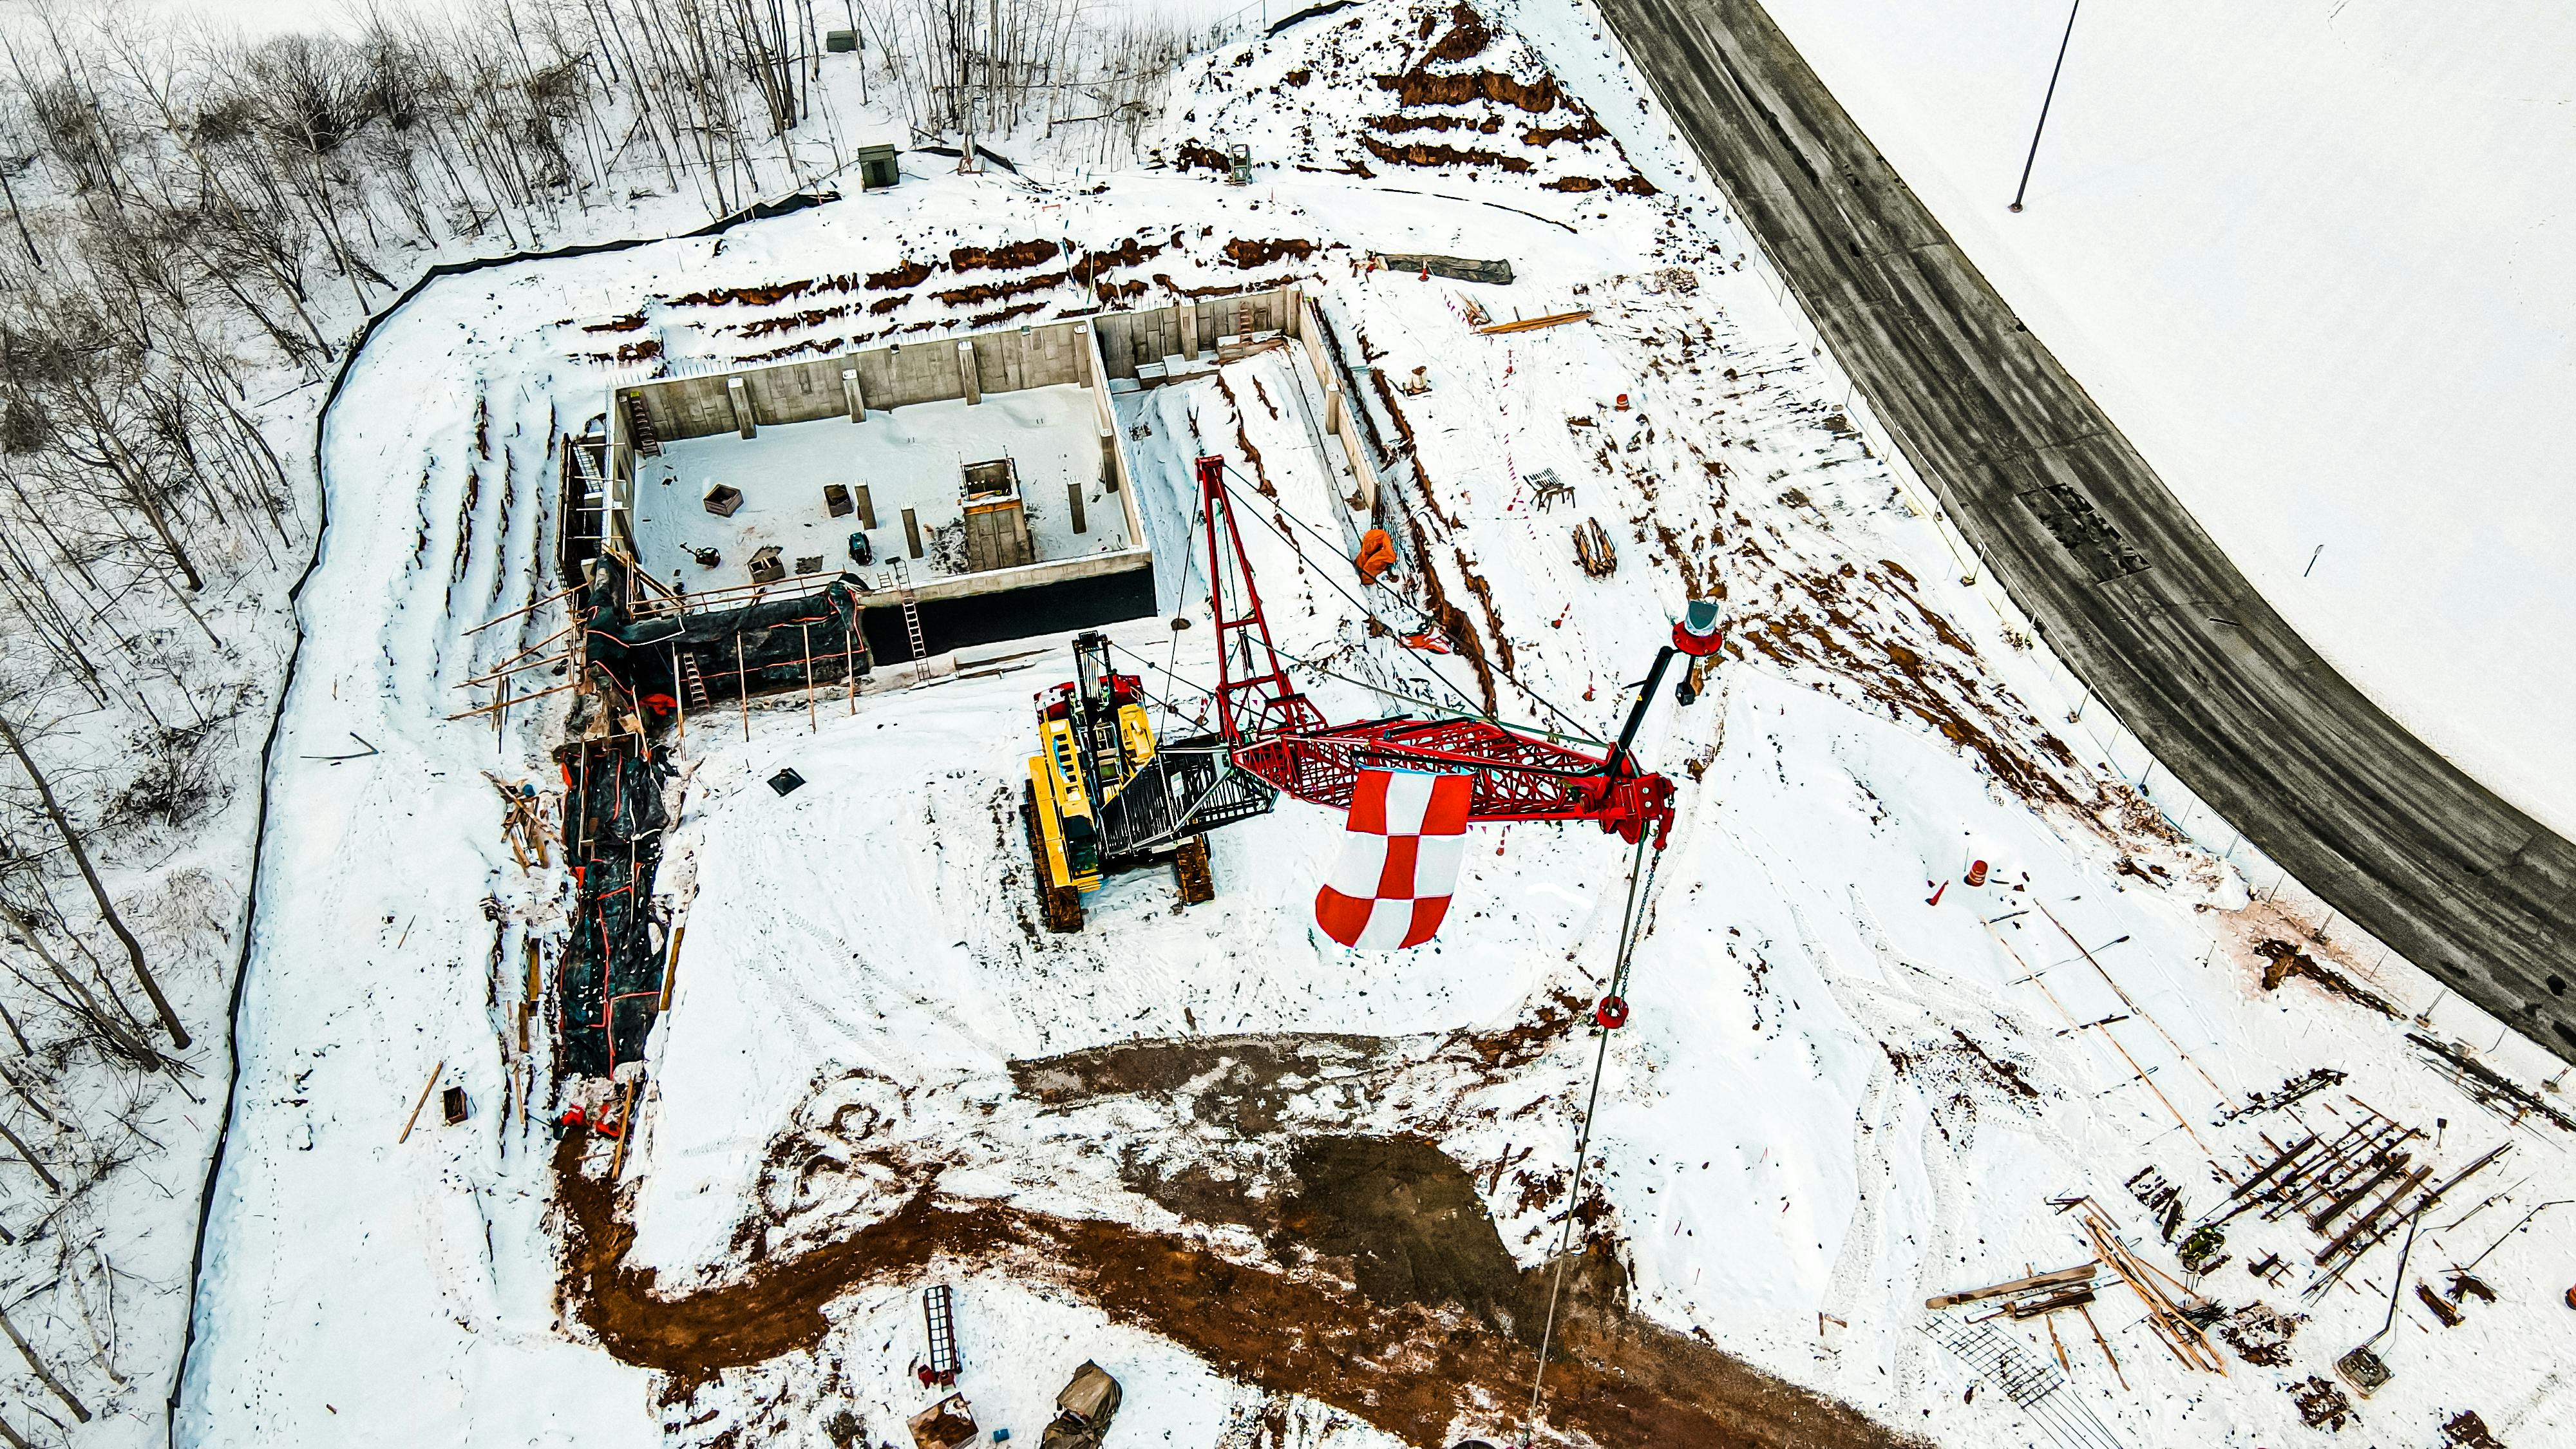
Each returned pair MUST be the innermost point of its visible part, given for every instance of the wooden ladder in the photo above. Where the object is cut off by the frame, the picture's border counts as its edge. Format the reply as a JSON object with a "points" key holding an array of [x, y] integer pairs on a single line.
{"points": [[639, 424], [692, 684], [911, 615], [938, 1315]]}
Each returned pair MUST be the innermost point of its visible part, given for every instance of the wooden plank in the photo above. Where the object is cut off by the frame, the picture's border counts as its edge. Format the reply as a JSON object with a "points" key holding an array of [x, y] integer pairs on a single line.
{"points": [[2081, 1273], [425, 1089], [1533, 324]]}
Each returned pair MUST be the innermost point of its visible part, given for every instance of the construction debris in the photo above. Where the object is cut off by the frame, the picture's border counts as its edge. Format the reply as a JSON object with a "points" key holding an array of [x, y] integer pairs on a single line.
{"points": [[948, 1424], [2178, 1320], [1593, 550]]}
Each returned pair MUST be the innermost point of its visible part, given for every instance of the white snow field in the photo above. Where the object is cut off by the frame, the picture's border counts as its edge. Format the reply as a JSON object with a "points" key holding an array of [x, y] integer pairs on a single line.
{"points": [[1852, 1081], [2319, 260]]}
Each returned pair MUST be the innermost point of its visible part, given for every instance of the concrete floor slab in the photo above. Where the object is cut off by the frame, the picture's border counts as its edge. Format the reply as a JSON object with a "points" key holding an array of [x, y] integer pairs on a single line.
{"points": [[909, 457]]}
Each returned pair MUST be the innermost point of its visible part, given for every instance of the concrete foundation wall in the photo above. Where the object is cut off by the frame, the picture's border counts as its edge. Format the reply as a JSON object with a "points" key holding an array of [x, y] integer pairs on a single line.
{"points": [[1190, 326], [898, 374]]}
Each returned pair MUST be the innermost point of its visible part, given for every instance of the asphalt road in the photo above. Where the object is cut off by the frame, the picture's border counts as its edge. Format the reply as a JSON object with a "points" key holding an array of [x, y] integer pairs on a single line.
{"points": [[2088, 541]]}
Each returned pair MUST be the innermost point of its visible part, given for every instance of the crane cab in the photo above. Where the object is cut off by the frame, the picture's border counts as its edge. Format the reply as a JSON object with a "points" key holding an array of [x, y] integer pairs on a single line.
{"points": [[1095, 741]]}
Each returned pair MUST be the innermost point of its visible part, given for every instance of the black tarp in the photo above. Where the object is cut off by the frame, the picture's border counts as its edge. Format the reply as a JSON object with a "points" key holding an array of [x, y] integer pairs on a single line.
{"points": [[608, 984]]}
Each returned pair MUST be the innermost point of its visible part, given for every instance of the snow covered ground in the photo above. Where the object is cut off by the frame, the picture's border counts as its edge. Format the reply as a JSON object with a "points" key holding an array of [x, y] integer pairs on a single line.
{"points": [[2319, 259], [1852, 1080]]}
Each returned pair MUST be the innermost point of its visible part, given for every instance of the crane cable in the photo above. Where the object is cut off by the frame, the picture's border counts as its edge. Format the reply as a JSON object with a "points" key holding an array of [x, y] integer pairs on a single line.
{"points": [[1631, 924]]}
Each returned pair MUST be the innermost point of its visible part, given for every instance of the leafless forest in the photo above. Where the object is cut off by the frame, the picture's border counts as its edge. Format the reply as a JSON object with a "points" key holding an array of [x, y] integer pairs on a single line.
{"points": [[196, 224]]}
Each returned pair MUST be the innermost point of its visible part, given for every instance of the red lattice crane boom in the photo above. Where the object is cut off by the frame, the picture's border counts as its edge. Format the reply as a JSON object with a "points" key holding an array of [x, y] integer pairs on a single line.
{"points": [[1278, 735]]}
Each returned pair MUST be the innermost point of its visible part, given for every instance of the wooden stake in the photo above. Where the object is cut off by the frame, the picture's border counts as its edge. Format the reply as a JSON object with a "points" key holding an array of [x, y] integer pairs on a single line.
{"points": [[425, 1089], [2105, 1346], [2134, 1008], [506, 703], [671, 966], [679, 695], [514, 613], [625, 1131], [742, 687], [806, 632], [849, 656], [2051, 1321]]}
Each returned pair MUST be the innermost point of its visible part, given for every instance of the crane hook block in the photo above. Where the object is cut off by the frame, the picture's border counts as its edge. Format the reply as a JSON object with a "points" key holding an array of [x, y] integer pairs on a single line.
{"points": [[1696, 633], [1612, 1013]]}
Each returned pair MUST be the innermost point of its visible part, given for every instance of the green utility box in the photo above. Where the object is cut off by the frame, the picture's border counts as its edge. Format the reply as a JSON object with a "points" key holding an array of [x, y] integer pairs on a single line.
{"points": [[877, 167]]}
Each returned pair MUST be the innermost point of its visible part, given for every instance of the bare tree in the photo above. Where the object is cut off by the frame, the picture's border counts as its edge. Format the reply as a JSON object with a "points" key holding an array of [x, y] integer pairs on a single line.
{"points": [[98, 890]]}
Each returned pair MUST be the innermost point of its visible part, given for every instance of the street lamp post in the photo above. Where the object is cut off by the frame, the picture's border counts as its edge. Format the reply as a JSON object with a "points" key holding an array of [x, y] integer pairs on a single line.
{"points": [[2043, 104]]}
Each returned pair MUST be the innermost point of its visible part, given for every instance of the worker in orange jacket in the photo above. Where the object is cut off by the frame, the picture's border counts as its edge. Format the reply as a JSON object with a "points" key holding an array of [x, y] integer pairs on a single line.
{"points": [[1377, 554]]}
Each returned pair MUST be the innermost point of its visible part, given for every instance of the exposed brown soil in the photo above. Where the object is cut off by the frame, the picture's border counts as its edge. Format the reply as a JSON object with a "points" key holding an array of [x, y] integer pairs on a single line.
{"points": [[1247, 254], [1422, 88], [1453, 622], [768, 296], [1191, 153], [1467, 37], [793, 321], [982, 292], [644, 351], [1417, 153], [1001, 315], [895, 279], [1397, 125], [883, 305], [1007, 258], [1411, 1342], [631, 322], [1484, 593], [1572, 183], [1128, 253], [2287, 960], [1584, 129]]}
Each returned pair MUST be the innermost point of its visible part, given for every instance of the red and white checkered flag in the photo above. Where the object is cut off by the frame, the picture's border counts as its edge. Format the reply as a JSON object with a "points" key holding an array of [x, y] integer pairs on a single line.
{"points": [[1407, 832]]}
